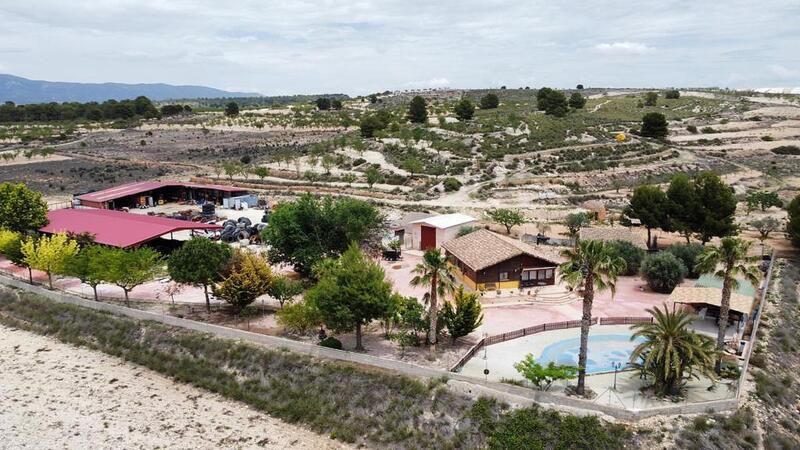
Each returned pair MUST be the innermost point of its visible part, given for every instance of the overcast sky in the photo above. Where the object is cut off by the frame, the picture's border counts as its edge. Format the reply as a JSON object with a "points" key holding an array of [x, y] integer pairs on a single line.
{"points": [[362, 46]]}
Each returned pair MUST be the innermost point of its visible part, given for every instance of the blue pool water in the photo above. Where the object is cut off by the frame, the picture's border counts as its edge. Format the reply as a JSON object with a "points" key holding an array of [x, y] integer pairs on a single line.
{"points": [[604, 351]]}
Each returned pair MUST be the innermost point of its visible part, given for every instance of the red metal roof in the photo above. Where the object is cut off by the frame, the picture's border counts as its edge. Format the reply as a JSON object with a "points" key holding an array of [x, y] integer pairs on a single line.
{"points": [[125, 190], [117, 228]]}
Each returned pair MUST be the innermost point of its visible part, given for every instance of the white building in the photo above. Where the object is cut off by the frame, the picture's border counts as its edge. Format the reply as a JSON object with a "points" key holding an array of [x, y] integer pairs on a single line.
{"points": [[432, 232]]}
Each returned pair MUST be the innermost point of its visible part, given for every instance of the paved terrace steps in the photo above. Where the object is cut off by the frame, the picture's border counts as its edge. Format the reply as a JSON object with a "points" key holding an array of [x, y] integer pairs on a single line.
{"points": [[544, 295]]}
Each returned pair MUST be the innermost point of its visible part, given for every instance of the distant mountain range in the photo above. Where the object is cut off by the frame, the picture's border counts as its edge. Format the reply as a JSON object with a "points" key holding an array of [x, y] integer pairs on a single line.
{"points": [[22, 90]]}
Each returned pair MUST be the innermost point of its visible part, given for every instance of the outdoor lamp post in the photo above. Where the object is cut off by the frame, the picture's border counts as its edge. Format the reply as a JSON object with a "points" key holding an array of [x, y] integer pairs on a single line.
{"points": [[617, 366]]}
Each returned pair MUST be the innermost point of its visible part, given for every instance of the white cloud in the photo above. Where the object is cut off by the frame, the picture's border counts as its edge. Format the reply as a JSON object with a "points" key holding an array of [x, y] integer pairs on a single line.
{"points": [[367, 46], [623, 48]]}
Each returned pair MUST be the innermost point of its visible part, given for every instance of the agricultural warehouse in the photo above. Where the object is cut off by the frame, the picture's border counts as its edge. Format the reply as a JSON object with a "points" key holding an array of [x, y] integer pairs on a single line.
{"points": [[486, 260], [117, 228], [432, 232], [150, 193]]}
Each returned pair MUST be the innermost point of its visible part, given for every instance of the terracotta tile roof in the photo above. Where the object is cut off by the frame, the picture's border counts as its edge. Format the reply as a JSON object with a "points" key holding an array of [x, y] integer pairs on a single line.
{"points": [[710, 296], [483, 248], [612, 234]]}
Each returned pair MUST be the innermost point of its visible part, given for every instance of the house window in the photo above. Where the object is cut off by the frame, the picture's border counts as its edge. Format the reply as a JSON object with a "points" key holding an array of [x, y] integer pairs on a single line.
{"points": [[503, 276], [549, 273]]}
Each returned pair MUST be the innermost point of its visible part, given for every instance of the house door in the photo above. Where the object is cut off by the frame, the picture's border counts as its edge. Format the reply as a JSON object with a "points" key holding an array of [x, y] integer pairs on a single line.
{"points": [[428, 239]]}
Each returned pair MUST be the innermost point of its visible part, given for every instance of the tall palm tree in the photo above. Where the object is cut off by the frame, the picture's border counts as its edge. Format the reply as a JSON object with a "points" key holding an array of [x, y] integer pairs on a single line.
{"points": [[435, 273], [671, 351], [729, 261], [594, 265]]}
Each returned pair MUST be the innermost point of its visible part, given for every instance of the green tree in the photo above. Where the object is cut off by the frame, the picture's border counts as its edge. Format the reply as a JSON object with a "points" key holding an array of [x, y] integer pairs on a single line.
{"points": [[577, 101], [490, 101], [261, 172], [684, 208], [451, 184], [793, 226], [199, 262], [323, 104], [654, 125], [232, 109], [413, 165], [464, 315], [50, 254], [352, 291], [632, 255], [373, 175], [508, 218], [650, 99], [11, 246], [594, 266], [436, 274], [369, 125], [247, 277], [672, 94], [87, 265], [302, 232], [336, 104], [763, 200], [417, 110], [552, 102], [663, 271], [130, 268], [21, 209], [464, 110], [765, 226], [650, 205], [671, 352], [541, 376], [729, 262], [284, 289], [717, 206], [574, 222]]}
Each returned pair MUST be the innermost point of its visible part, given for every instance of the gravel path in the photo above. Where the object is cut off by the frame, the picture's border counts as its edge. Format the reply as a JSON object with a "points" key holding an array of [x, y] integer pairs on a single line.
{"points": [[54, 395]]}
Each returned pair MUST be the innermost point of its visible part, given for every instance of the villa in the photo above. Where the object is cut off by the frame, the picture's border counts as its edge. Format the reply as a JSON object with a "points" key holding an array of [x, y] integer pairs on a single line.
{"points": [[489, 261]]}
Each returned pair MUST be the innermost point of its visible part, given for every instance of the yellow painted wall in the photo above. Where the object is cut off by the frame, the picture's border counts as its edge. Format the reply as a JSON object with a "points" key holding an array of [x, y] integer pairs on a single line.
{"points": [[501, 285], [469, 282]]}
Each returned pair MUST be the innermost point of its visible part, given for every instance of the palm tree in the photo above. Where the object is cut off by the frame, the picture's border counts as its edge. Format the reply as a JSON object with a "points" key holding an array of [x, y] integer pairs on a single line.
{"points": [[672, 352], [729, 261], [435, 273], [594, 265]]}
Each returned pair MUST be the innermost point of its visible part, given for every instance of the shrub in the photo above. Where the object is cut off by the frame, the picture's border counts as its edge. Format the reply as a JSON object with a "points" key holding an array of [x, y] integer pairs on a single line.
{"points": [[541, 376], [451, 184], [490, 101], [632, 255], [331, 342], [299, 317], [786, 150], [663, 271], [692, 129], [463, 315], [672, 94], [358, 161], [687, 254]]}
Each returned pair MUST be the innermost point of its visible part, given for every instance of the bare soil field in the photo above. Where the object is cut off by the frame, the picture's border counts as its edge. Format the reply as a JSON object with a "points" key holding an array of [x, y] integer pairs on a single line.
{"points": [[54, 395]]}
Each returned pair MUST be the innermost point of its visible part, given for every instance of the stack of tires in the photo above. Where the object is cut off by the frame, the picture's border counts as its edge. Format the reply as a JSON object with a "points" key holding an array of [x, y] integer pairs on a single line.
{"points": [[239, 230]]}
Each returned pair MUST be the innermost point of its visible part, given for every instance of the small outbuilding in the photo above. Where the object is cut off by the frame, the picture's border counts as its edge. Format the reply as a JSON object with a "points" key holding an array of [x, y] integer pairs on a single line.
{"points": [[486, 261], [432, 232]]}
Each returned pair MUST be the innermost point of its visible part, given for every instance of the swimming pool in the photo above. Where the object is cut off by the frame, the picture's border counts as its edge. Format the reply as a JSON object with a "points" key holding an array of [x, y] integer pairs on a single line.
{"points": [[607, 344], [604, 351]]}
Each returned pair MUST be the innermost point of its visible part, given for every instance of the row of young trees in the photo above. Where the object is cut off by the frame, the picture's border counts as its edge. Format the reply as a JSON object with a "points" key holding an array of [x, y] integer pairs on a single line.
{"points": [[93, 111]]}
